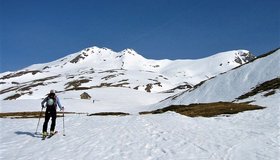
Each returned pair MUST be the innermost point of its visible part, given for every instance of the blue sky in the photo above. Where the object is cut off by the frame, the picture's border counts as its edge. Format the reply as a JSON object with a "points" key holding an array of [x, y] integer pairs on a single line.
{"points": [[39, 31]]}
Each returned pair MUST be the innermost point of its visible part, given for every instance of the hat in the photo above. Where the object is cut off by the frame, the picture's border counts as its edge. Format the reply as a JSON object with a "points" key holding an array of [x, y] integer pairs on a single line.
{"points": [[52, 91]]}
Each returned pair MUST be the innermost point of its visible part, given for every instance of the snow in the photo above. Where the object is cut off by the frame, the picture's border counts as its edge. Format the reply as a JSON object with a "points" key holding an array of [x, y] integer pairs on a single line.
{"points": [[105, 100], [232, 84], [127, 65], [248, 135]]}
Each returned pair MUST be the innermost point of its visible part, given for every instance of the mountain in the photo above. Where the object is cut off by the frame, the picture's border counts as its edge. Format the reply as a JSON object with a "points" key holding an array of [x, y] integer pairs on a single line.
{"points": [[252, 81], [102, 67], [107, 76]]}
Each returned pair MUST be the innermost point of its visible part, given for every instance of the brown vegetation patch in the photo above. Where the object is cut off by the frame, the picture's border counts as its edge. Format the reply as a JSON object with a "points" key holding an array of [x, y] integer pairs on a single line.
{"points": [[15, 96], [270, 93], [120, 84], [109, 114], [103, 85], [207, 109], [153, 80], [8, 90], [28, 85], [110, 85], [124, 80], [266, 86], [18, 74], [158, 84], [99, 86], [163, 77], [79, 88], [110, 71], [70, 77], [76, 83], [45, 79], [28, 114], [109, 77]]}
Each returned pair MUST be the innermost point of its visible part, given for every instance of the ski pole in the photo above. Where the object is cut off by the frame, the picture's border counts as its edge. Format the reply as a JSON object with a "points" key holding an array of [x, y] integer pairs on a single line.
{"points": [[63, 123], [39, 120]]}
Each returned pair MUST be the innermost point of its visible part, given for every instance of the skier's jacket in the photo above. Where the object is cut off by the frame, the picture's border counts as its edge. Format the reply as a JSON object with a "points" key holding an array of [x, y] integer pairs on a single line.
{"points": [[56, 101]]}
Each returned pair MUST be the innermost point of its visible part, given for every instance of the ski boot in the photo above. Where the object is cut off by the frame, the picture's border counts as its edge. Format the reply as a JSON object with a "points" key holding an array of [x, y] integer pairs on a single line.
{"points": [[45, 134], [52, 133]]}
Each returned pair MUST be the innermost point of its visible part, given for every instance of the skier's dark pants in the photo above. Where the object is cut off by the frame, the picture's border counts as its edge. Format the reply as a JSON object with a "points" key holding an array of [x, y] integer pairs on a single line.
{"points": [[50, 112]]}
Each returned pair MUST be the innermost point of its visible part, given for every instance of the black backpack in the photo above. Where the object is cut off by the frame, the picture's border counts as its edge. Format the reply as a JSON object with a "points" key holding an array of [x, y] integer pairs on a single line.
{"points": [[51, 100]]}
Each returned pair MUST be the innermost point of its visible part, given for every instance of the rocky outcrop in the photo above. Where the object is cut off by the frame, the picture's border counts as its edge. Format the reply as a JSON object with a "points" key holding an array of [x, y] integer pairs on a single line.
{"points": [[85, 95]]}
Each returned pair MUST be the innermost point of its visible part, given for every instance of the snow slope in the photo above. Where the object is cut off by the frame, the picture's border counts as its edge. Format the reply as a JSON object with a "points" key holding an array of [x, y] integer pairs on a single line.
{"points": [[232, 84], [105, 100], [252, 135]]}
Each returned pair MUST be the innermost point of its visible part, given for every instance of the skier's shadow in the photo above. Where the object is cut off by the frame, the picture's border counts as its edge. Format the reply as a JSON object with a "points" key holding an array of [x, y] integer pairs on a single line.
{"points": [[27, 133]]}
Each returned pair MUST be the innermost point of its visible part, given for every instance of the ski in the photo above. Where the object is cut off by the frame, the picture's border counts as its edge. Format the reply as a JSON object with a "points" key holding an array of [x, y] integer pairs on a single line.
{"points": [[50, 136], [44, 137]]}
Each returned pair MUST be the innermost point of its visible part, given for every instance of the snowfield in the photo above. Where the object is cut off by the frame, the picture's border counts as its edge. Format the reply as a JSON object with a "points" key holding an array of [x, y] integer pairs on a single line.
{"points": [[105, 100], [245, 136]]}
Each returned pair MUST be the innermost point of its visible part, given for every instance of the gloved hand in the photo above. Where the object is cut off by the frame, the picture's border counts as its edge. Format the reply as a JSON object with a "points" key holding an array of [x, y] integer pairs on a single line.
{"points": [[62, 109], [43, 106]]}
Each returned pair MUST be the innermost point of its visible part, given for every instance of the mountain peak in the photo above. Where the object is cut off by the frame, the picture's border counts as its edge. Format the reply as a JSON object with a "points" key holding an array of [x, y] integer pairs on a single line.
{"points": [[235, 57], [131, 53], [244, 56]]}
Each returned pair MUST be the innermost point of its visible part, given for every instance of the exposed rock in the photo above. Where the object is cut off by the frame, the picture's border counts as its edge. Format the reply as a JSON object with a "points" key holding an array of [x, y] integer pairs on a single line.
{"points": [[46, 67], [79, 57], [149, 87], [85, 95], [244, 57], [136, 88]]}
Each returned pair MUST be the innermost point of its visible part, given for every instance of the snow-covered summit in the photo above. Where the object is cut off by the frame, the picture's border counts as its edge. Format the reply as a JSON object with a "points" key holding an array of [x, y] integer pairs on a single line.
{"points": [[102, 67], [104, 58]]}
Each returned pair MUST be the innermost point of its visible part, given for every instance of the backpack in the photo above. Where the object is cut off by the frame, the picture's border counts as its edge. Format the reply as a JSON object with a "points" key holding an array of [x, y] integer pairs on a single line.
{"points": [[51, 100]]}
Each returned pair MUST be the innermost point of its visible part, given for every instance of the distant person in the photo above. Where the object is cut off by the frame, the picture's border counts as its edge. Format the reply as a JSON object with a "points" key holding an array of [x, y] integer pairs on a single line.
{"points": [[52, 101]]}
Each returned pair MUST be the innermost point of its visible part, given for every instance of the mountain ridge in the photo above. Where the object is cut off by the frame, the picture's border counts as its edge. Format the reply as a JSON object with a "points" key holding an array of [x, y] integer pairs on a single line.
{"points": [[102, 67], [244, 83]]}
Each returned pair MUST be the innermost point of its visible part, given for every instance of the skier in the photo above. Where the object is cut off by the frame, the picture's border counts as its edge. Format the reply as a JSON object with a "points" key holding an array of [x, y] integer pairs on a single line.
{"points": [[52, 101]]}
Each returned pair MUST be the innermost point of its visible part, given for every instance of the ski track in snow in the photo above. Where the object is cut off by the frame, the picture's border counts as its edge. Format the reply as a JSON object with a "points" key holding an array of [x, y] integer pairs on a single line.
{"points": [[149, 137]]}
